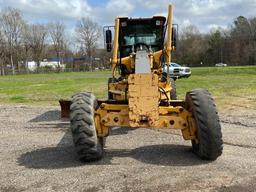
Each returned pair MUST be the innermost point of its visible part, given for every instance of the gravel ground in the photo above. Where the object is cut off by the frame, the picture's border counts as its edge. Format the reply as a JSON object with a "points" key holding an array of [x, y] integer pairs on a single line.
{"points": [[36, 154]]}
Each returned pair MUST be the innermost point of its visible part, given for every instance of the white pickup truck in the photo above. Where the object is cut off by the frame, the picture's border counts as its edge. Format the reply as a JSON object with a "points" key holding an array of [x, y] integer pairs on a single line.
{"points": [[177, 71]]}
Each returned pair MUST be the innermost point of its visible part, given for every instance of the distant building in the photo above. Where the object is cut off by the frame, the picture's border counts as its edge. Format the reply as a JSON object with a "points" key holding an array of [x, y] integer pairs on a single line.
{"points": [[32, 65]]}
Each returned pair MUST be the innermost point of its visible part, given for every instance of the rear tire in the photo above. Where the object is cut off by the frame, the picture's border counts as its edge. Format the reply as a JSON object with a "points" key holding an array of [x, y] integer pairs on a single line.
{"points": [[88, 146], [173, 95], [201, 104]]}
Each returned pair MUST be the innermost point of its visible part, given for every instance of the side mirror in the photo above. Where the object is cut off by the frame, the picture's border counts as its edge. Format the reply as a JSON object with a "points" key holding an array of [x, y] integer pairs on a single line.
{"points": [[109, 40], [174, 35]]}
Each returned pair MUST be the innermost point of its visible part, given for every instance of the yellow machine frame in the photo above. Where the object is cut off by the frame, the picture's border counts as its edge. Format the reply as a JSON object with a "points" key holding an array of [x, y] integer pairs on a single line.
{"points": [[142, 108]]}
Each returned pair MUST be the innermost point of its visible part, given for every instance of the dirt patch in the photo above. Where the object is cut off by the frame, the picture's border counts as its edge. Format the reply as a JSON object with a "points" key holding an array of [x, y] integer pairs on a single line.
{"points": [[37, 154]]}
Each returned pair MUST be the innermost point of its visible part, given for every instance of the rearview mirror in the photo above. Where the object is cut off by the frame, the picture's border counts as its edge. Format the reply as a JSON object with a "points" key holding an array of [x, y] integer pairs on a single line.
{"points": [[109, 40], [174, 35]]}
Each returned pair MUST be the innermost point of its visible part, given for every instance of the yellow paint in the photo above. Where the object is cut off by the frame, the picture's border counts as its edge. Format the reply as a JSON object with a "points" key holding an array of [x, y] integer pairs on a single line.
{"points": [[141, 91], [115, 48], [113, 115]]}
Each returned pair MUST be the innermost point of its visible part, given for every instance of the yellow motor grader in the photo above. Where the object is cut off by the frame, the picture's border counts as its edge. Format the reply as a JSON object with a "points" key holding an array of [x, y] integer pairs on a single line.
{"points": [[141, 94]]}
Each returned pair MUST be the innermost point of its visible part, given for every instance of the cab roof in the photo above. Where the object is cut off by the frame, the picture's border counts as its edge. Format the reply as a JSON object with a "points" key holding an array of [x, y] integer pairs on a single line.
{"points": [[162, 19]]}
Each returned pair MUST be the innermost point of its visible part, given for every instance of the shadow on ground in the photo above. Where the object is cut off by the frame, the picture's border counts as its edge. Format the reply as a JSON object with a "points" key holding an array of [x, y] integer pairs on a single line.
{"points": [[62, 125], [64, 156], [49, 119], [121, 130], [53, 115]]}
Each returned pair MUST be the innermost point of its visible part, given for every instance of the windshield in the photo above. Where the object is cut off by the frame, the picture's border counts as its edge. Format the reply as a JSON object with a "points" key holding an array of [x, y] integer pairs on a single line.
{"points": [[134, 34], [175, 65], [142, 34]]}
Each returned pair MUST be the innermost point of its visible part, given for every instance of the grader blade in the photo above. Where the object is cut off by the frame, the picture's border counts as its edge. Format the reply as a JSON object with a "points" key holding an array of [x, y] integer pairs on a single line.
{"points": [[65, 108]]}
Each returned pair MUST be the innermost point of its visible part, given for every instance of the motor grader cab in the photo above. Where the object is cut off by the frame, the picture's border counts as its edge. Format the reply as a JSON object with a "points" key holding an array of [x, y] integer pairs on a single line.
{"points": [[141, 95]]}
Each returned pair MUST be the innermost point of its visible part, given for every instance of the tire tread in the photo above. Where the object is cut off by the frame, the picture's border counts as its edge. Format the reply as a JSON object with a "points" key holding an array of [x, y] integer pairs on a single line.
{"points": [[208, 125], [87, 144]]}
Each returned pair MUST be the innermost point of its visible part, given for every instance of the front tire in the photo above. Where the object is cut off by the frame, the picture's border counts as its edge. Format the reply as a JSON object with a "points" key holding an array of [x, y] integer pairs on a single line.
{"points": [[88, 146], [201, 104]]}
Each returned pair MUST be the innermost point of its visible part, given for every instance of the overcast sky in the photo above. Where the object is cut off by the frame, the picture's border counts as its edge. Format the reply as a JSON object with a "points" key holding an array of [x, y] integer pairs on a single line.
{"points": [[205, 14]]}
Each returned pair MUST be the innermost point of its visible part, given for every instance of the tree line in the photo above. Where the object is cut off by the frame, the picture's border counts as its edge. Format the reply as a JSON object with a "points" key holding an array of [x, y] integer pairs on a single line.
{"points": [[233, 46], [21, 41]]}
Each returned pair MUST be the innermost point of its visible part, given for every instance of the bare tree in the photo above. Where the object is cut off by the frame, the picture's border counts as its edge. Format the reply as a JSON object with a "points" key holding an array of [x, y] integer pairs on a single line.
{"points": [[87, 34], [26, 44], [11, 22], [57, 34], [252, 29], [242, 38], [2, 53], [37, 35], [192, 46]]}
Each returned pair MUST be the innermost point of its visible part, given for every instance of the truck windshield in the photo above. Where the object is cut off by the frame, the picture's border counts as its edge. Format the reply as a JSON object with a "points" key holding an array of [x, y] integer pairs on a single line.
{"points": [[150, 35]]}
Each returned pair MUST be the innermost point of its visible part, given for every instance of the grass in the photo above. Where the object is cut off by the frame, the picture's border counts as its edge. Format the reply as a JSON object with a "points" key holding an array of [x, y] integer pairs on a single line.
{"points": [[230, 86], [49, 88]]}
